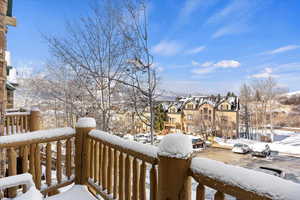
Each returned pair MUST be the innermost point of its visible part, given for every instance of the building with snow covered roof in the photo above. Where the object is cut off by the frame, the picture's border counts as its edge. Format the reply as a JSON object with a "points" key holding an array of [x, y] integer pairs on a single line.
{"points": [[210, 114]]}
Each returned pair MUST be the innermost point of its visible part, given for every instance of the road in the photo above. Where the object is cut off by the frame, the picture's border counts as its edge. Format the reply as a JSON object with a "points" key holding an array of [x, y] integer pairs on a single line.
{"points": [[289, 165]]}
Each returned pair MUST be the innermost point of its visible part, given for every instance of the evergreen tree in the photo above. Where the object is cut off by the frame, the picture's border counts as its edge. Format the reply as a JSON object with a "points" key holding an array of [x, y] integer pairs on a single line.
{"points": [[160, 118]]}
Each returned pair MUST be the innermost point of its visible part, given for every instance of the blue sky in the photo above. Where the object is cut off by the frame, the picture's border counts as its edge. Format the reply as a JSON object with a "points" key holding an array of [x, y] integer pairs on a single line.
{"points": [[207, 46]]}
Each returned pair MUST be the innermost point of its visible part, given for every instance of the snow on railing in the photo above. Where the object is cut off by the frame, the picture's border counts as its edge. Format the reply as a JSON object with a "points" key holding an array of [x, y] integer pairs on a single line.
{"points": [[17, 113], [34, 149], [37, 135], [148, 150], [243, 181]]}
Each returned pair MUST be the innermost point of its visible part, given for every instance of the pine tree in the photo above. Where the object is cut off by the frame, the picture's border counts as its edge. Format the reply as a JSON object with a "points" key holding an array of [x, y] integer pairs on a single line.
{"points": [[160, 118]]}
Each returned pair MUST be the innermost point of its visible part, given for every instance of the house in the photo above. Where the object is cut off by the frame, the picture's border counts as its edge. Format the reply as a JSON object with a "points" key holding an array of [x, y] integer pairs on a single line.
{"points": [[198, 114]]}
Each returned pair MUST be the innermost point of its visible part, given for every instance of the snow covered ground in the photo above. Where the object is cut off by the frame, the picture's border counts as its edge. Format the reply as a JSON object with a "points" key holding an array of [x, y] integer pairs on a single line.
{"points": [[288, 144]]}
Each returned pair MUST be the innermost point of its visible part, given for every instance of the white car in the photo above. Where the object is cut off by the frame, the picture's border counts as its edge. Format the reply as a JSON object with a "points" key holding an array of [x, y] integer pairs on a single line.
{"points": [[261, 150], [241, 148]]}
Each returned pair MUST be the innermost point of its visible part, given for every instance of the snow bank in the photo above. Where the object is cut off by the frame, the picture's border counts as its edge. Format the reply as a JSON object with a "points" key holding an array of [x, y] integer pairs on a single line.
{"points": [[37, 135], [145, 149], [86, 122], [76, 192], [290, 145], [34, 109], [31, 194], [258, 182], [11, 181], [175, 145]]}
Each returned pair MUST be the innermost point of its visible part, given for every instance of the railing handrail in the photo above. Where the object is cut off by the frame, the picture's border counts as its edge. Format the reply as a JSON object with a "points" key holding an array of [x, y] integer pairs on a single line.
{"points": [[145, 152], [242, 183], [41, 136]]}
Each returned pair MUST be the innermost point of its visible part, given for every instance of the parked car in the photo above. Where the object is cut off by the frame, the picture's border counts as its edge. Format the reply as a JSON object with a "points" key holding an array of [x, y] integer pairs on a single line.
{"points": [[141, 138], [198, 143], [261, 150], [241, 148]]}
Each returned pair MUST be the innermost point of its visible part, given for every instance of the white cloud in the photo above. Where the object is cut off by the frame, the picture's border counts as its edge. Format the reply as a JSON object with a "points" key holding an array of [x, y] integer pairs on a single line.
{"points": [[220, 64], [232, 9], [205, 64], [167, 48], [236, 17], [208, 67], [204, 70], [196, 50], [266, 73], [230, 29], [282, 49], [189, 7], [228, 64]]}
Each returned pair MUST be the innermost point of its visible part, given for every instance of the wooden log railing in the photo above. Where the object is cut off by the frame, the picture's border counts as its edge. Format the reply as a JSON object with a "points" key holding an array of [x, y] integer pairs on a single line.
{"points": [[24, 155], [117, 168], [239, 183], [21, 122]]}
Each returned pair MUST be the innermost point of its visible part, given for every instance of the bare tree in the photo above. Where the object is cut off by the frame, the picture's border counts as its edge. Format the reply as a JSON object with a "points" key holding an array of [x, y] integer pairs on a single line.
{"points": [[141, 72], [245, 98], [95, 52]]}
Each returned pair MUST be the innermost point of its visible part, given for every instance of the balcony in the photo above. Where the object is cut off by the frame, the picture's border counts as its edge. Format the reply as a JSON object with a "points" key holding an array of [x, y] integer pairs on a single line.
{"points": [[113, 168]]}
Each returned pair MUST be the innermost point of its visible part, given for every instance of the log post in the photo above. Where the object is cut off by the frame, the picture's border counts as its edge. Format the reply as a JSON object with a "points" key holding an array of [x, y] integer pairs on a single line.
{"points": [[83, 127], [35, 120], [173, 180]]}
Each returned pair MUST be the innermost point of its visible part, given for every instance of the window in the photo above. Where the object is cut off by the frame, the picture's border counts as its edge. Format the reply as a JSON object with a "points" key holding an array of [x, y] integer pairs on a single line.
{"points": [[227, 107], [205, 110], [172, 120], [189, 106], [205, 117], [172, 110], [209, 111], [190, 117]]}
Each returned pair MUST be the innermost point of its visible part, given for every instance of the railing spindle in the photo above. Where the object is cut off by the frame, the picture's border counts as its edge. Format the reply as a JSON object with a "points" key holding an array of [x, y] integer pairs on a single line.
{"points": [[100, 163], [104, 168], [58, 162], [26, 123], [110, 170], [143, 181], [153, 183], [48, 164], [31, 161], [121, 175], [115, 192], [7, 124], [22, 124], [96, 161], [219, 195], [127, 178], [91, 173], [25, 164], [69, 158], [38, 166], [135, 179], [12, 170], [200, 192]]}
